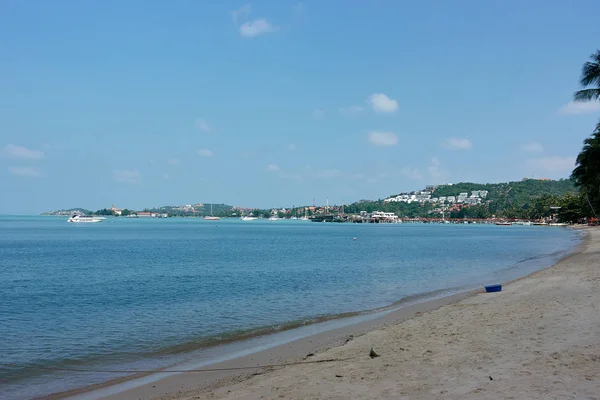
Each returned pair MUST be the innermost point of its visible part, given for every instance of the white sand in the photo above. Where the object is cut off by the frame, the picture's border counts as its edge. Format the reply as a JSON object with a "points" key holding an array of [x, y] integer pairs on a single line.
{"points": [[537, 339]]}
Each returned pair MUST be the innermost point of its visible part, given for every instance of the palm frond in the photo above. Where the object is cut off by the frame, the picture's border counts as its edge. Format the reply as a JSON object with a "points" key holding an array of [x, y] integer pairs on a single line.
{"points": [[586, 95], [590, 74], [586, 174]]}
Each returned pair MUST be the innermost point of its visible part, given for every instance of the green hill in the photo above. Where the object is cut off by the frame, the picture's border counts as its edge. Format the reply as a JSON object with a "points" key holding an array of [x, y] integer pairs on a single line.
{"points": [[529, 198], [510, 194]]}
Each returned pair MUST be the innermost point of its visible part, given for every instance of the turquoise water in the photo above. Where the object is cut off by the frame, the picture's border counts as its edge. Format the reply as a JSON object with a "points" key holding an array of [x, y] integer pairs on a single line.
{"points": [[142, 293]]}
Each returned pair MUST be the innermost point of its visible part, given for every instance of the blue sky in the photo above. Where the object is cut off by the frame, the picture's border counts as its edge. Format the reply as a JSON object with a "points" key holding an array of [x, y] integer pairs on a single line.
{"points": [[269, 104]]}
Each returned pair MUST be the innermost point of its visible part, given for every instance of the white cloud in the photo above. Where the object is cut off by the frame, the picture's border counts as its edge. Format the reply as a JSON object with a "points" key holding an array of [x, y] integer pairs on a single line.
{"points": [[174, 161], [458, 144], [251, 28], [532, 147], [574, 108], [292, 147], [25, 171], [318, 113], [273, 167], [434, 168], [553, 164], [205, 153], [127, 176], [241, 14], [13, 151], [412, 173], [381, 103], [350, 110], [202, 125], [383, 138], [257, 27]]}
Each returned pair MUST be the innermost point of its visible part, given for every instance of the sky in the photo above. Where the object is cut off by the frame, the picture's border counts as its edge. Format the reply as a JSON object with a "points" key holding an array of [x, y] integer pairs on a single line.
{"points": [[280, 103]]}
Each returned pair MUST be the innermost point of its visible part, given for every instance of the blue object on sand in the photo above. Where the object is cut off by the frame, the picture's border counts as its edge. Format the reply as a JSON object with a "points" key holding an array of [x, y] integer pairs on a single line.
{"points": [[493, 288]]}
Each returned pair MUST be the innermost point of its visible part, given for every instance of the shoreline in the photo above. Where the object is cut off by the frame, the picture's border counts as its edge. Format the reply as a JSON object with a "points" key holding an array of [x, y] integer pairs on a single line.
{"points": [[294, 349], [537, 339]]}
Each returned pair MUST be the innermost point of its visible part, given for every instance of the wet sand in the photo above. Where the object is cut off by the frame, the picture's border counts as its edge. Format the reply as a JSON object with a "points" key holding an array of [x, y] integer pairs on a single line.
{"points": [[539, 338]]}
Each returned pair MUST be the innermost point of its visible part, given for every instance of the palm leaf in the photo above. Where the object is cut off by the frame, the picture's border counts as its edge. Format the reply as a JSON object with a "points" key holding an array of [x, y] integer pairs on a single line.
{"points": [[590, 73], [586, 95]]}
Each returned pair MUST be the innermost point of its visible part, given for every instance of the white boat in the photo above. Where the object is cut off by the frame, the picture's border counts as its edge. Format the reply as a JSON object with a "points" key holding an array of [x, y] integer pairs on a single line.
{"points": [[85, 219], [304, 217], [211, 218], [248, 218], [275, 218], [294, 218]]}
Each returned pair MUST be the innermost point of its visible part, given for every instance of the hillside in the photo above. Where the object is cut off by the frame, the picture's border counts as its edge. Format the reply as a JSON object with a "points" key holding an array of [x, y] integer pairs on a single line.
{"points": [[506, 194], [529, 198], [68, 212], [515, 193]]}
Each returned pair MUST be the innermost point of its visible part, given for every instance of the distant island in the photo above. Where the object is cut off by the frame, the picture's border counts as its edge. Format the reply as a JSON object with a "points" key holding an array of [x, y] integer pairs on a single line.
{"points": [[525, 199], [68, 212]]}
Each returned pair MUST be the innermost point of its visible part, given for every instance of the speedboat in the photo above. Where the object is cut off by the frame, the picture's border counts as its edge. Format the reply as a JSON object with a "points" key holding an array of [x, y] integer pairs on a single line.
{"points": [[85, 218], [248, 218]]}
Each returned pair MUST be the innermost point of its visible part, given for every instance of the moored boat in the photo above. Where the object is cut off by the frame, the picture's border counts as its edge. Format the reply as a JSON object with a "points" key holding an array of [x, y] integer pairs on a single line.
{"points": [[85, 219], [211, 217]]}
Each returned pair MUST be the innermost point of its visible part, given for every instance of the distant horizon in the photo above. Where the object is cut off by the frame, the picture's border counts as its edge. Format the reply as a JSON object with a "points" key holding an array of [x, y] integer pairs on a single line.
{"points": [[274, 103], [332, 204]]}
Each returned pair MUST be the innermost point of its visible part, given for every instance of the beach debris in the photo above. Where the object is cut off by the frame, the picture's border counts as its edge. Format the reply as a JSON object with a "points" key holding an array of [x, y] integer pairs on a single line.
{"points": [[309, 355], [372, 353], [493, 288], [491, 379], [339, 376], [349, 338]]}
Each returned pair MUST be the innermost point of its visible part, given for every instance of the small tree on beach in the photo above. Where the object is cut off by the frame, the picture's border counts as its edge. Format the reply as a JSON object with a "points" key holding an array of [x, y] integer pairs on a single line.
{"points": [[590, 76], [586, 174], [587, 170]]}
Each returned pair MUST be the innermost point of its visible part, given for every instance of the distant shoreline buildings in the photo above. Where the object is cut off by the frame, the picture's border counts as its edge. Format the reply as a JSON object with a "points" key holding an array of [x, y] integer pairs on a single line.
{"points": [[425, 196]]}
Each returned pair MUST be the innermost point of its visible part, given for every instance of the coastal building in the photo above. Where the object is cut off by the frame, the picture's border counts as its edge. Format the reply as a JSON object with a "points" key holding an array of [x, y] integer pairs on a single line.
{"points": [[425, 196], [479, 193], [116, 211], [381, 216], [146, 214]]}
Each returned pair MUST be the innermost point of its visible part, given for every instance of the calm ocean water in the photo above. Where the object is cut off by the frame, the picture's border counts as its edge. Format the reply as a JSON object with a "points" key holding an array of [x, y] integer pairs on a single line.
{"points": [[136, 293]]}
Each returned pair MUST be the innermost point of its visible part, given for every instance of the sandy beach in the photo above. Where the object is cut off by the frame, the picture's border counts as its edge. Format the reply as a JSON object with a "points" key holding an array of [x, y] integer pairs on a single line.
{"points": [[537, 339]]}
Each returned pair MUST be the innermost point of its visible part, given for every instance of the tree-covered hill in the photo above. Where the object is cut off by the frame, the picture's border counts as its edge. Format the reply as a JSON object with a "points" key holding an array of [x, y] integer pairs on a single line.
{"points": [[507, 194]]}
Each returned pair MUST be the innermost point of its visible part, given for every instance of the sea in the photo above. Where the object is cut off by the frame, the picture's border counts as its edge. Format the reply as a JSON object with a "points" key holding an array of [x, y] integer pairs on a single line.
{"points": [[146, 293]]}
